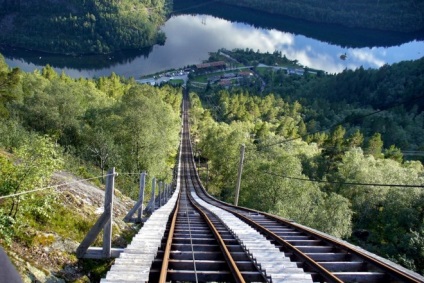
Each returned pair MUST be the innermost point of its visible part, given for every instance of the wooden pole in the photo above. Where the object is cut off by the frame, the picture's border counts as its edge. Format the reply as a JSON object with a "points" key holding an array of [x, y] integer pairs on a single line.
{"points": [[153, 194], [240, 171], [138, 207], [141, 195], [160, 190], [107, 230]]}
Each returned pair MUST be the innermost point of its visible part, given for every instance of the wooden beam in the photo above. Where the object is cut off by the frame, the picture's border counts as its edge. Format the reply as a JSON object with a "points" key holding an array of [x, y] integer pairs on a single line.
{"points": [[107, 231]]}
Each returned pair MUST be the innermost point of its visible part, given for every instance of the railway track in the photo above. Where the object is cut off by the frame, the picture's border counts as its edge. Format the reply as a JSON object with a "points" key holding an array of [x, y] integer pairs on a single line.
{"points": [[198, 248], [201, 239]]}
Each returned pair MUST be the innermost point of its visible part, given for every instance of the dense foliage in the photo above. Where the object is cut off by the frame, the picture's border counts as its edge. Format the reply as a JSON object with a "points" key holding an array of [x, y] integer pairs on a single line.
{"points": [[81, 27], [316, 144], [388, 100], [404, 16], [51, 121]]}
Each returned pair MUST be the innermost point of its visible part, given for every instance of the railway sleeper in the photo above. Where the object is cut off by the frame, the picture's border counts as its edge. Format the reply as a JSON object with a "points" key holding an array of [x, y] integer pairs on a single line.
{"points": [[205, 276], [358, 277]]}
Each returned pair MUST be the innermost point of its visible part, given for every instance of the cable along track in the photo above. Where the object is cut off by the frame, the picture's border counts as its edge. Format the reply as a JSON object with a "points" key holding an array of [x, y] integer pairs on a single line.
{"points": [[324, 257], [197, 247]]}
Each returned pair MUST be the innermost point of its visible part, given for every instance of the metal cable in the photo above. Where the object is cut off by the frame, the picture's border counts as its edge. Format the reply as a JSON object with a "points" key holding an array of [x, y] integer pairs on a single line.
{"points": [[51, 187], [189, 230], [341, 183]]}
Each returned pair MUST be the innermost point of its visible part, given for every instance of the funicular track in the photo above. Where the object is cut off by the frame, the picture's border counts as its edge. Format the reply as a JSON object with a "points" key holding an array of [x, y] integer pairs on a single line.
{"points": [[325, 258], [197, 247]]}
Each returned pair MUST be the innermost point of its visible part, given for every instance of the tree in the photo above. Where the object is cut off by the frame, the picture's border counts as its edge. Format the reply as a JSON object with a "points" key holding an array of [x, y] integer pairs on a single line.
{"points": [[102, 148], [8, 82], [394, 153], [270, 184], [375, 146], [31, 167], [333, 148], [356, 139], [146, 128]]}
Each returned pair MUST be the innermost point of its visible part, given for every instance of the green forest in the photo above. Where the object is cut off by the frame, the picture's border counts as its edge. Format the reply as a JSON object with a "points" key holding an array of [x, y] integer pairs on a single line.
{"points": [[82, 27], [50, 122], [326, 151], [391, 15]]}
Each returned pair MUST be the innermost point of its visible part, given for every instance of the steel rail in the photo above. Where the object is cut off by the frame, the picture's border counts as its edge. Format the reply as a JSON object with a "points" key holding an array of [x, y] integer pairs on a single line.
{"points": [[391, 271], [307, 260], [166, 256], [376, 262], [238, 277], [188, 185], [227, 255], [191, 236]]}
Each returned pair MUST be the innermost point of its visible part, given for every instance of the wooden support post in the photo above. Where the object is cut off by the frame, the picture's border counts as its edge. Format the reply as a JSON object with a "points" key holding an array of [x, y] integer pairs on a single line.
{"points": [[153, 194], [138, 207], [160, 193], [104, 222], [141, 195], [107, 230], [240, 171], [169, 190]]}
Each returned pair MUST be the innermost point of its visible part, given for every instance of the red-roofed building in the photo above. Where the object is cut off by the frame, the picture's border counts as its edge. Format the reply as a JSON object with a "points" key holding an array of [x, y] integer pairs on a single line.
{"points": [[211, 65]]}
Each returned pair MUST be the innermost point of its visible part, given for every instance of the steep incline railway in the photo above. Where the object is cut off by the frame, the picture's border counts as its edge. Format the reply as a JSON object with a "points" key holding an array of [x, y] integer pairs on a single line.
{"points": [[206, 240], [327, 259]]}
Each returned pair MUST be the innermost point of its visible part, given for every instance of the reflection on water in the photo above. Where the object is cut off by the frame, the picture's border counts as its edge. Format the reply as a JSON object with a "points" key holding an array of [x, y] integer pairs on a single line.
{"points": [[333, 34], [191, 37], [29, 60]]}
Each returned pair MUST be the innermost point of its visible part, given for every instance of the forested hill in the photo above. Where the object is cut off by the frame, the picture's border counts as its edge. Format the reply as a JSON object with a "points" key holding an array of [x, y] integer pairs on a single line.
{"points": [[79, 27], [391, 15]]}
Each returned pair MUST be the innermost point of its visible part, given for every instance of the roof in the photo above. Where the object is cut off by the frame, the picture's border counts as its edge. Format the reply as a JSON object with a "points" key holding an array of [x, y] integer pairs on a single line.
{"points": [[211, 64]]}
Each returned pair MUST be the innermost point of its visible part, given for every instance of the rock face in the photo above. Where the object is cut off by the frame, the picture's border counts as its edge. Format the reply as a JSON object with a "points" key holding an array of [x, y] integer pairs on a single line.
{"points": [[51, 258]]}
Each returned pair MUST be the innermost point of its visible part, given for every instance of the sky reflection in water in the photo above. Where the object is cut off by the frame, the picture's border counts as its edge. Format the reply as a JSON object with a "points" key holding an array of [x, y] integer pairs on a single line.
{"points": [[309, 52], [191, 37]]}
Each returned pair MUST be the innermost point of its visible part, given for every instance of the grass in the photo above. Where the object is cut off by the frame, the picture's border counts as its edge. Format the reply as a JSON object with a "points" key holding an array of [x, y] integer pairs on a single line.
{"points": [[62, 220], [261, 70], [96, 268], [176, 81]]}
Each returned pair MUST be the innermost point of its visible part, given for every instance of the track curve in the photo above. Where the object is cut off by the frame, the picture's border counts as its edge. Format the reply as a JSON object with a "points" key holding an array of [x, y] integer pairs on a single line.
{"points": [[326, 258]]}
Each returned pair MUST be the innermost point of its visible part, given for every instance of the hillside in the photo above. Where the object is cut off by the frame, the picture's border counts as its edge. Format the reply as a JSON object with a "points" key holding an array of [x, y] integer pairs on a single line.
{"points": [[390, 15], [81, 27], [83, 126], [47, 254]]}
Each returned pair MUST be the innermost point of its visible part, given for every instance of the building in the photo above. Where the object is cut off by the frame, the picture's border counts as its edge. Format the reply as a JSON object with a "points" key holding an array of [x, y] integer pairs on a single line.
{"points": [[211, 66]]}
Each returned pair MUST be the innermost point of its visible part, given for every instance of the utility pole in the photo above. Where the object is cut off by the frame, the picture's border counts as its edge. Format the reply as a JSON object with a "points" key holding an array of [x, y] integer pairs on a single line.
{"points": [[240, 171]]}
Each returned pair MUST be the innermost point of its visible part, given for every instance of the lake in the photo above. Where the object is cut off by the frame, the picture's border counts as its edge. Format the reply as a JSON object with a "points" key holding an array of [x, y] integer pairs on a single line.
{"points": [[195, 30]]}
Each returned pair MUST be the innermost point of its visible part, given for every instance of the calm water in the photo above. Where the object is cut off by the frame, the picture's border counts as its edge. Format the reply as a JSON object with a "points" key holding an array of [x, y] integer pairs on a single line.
{"points": [[190, 37]]}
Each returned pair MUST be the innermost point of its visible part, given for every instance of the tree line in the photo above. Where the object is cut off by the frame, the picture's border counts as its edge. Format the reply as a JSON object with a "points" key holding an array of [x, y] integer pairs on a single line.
{"points": [[83, 27], [400, 16], [387, 100], [52, 122]]}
